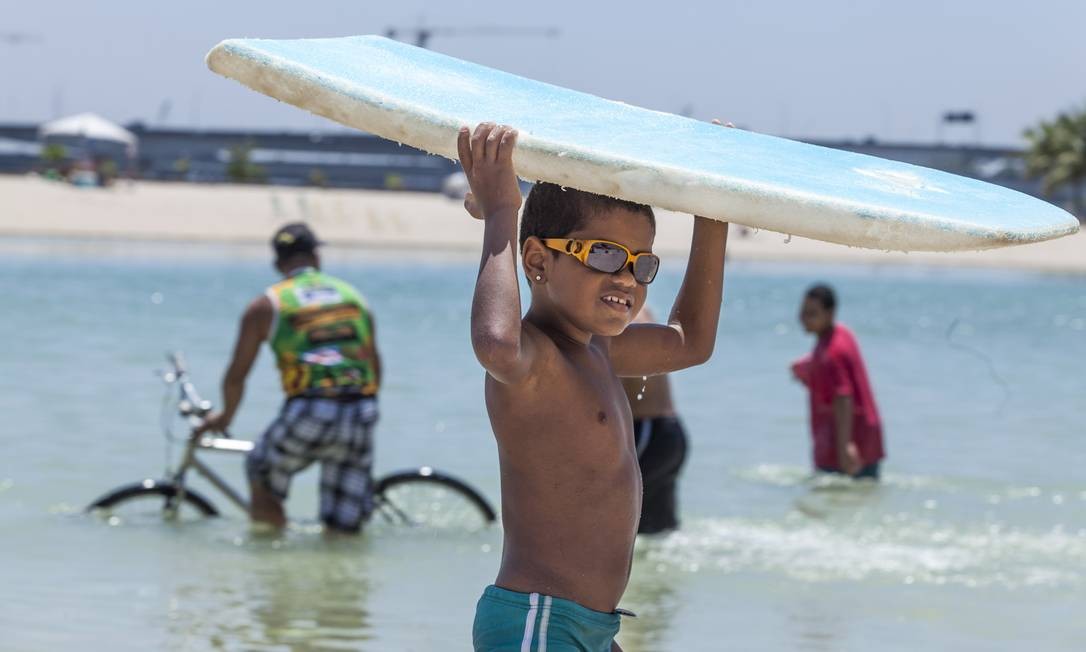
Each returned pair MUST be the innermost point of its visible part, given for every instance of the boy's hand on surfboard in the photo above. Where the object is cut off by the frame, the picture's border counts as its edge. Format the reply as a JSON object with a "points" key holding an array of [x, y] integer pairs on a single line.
{"points": [[487, 157]]}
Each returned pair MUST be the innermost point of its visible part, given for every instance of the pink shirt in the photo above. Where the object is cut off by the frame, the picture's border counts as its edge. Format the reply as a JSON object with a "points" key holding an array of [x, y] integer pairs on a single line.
{"points": [[835, 368]]}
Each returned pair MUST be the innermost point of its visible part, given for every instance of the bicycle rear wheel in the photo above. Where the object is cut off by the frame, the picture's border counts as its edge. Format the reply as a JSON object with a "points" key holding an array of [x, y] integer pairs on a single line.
{"points": [[427, 498], [151, 501]]}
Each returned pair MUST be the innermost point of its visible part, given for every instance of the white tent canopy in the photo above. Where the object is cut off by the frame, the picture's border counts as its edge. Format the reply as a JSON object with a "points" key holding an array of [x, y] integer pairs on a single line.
{"points": [[89, 126]]}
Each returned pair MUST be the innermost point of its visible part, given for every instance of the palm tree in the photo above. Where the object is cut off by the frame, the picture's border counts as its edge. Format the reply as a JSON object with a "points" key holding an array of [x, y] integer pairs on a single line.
{"points": [[54, 154], [240, 168], [1057, 154]]}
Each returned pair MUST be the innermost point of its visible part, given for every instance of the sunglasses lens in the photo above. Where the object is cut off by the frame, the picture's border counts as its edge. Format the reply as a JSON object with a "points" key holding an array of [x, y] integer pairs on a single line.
{"points": [[645, 268], [608, 258]]}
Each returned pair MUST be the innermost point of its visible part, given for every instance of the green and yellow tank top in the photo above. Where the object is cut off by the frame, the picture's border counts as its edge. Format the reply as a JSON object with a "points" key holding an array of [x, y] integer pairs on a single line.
{"points": [[322, 337]]}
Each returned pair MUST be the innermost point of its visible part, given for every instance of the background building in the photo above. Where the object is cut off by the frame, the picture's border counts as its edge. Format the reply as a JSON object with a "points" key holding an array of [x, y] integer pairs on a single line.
{"points": [[356, 160]]}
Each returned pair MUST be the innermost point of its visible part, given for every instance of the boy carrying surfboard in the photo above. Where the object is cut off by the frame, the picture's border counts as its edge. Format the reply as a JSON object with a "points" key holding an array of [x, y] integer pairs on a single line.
{"points": [[571, 488]]}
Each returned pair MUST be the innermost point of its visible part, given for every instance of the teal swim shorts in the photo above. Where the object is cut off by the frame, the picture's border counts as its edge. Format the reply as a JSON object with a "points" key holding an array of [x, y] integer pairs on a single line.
{"points": [[507, 621]]}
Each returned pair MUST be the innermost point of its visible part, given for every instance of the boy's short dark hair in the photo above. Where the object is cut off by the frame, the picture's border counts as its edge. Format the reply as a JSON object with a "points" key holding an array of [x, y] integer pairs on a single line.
{"points": [[823, 294], [552, 211]]}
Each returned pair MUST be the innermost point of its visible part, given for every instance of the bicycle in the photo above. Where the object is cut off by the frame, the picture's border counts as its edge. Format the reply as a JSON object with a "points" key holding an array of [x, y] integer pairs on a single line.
{"points": [[422, 496]]}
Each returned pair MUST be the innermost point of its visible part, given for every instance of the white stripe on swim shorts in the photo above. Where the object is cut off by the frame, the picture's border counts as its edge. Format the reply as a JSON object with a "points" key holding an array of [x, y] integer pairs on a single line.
{"points": [[529, 623], [543, 623]]}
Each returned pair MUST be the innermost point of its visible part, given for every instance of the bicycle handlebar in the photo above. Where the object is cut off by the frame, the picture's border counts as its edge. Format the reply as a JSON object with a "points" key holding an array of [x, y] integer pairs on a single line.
{"points": [[191, 406], [177, 359], [191, 403], [188, 392]]}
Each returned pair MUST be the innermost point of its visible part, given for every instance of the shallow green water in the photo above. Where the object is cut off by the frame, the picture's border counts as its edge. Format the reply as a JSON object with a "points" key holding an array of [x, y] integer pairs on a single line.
{"points": [[975, 541]]}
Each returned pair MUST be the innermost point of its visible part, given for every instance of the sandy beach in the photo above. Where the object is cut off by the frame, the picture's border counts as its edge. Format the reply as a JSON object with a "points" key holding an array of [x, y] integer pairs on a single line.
{"points": [[179, 214]]}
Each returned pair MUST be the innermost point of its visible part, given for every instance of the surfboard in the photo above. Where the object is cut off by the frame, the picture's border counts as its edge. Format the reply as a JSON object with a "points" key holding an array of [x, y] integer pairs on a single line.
{"points": [[420, 97]]}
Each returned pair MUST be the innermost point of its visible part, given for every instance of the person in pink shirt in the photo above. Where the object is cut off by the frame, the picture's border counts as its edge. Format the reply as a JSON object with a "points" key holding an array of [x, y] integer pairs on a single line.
{"points": [[845, 425]]}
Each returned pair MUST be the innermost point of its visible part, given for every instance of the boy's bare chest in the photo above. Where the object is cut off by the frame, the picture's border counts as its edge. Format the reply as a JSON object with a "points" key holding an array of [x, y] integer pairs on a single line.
{"points": [[586, 384], [580, 404]]}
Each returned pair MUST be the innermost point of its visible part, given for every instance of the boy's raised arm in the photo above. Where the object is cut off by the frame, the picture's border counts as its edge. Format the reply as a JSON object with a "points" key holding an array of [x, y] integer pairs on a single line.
{"points": [[689, 336], [496, 332]]}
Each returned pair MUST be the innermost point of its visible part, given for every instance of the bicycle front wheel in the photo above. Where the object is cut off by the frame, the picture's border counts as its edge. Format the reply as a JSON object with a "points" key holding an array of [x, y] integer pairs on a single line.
{"points": [[151, 501], [427, 498]]}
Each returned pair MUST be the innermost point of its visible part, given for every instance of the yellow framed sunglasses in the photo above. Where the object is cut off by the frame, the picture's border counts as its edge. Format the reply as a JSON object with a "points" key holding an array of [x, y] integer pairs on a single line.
{"points": [[608, 257]]}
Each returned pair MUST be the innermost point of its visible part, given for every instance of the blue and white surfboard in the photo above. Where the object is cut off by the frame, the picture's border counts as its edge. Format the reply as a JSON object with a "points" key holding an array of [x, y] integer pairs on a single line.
{"points": [[422, 98]]}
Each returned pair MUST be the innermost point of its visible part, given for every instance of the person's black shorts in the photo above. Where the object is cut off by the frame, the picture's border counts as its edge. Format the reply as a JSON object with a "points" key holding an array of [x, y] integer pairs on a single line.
{"points": [[869, 472], [661, 451]]}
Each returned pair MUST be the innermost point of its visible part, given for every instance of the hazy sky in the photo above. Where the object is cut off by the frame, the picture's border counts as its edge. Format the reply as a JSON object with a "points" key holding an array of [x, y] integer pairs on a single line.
{"points": [[826, 69]]}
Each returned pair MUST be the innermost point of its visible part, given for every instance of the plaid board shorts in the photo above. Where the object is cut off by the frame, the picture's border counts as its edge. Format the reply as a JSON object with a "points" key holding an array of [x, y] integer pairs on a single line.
{"points": [[336, 433]]}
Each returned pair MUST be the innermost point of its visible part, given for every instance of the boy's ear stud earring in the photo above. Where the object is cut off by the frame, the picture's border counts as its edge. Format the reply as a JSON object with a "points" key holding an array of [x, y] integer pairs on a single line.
{"points": [[538, 277]]}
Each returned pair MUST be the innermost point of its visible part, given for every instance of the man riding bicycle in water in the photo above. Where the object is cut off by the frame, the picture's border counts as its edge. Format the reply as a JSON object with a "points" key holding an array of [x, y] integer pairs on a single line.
{"points": [[322, 334]]}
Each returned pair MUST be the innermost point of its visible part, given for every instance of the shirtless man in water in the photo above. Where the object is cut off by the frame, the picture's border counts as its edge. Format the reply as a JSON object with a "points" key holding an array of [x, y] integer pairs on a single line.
{"points": [[571, 487], [660, 441]]}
